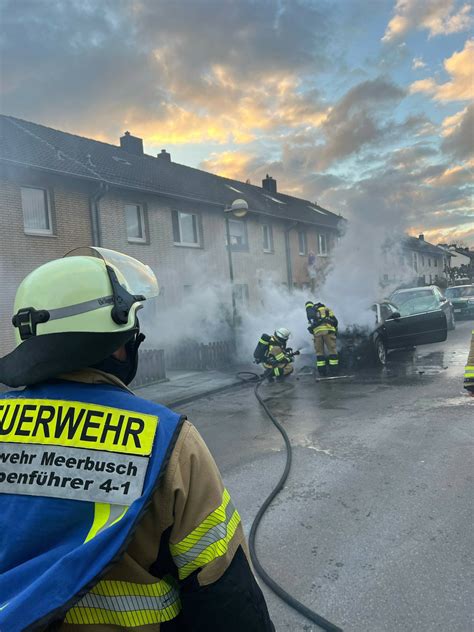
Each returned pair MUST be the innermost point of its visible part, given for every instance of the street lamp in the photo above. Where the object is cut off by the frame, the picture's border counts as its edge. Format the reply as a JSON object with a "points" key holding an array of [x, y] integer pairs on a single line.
{"points": [[239, 209]]}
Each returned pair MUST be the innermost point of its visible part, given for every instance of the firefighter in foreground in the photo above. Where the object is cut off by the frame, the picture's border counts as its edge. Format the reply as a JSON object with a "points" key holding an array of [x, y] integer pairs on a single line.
{"points": [[113, 514], [323, 326], [276, 357], [469, 369]]}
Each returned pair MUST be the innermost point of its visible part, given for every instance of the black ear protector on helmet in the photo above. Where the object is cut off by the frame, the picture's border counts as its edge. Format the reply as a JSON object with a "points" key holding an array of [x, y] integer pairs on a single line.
{"points": [[123, 300], [126, 369]]}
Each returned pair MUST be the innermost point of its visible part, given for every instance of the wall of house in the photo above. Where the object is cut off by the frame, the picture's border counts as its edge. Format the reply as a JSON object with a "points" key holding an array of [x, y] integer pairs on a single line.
{"points": [[180, 269], [430, 267], [20, 252], [301, 273]]}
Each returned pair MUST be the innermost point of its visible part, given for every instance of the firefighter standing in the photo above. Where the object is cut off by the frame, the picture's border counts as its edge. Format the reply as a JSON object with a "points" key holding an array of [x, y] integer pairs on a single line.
{"points": [[323, 326], [278, 358], [469, 369], [113, 514]]}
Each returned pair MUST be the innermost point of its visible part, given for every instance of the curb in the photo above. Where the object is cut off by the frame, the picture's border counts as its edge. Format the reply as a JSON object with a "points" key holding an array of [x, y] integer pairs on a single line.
{"points": [[191, 398]]}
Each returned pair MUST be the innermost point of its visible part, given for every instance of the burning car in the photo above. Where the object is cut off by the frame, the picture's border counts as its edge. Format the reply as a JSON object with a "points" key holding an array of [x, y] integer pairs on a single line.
{"points": [[462, 299], [391, 331]]}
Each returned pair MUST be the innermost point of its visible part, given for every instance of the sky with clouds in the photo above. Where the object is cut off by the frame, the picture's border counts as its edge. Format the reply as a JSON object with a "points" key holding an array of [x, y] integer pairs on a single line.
{"points": [[365, 106]]}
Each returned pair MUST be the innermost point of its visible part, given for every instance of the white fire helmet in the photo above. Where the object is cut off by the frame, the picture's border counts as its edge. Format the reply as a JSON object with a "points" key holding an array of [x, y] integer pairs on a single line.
{"points": [[283, 333]]}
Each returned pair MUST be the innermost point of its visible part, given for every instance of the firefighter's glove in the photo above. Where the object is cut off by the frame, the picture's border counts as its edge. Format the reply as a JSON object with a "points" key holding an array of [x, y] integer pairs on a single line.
{"points": [[310, 329]]}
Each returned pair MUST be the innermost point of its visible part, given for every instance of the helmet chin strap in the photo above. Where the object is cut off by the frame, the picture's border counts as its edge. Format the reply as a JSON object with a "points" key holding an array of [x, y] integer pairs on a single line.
{"points": [[126, 369]]}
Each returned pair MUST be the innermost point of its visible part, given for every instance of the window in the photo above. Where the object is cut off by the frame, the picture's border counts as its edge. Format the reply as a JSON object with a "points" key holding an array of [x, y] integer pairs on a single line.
{"points": [[135, 221], [415, 261], [267, 238], [422, 261], [36, 211], [429, 263], [436, 263], [186, 229], [241, 293], [302, 243], [323, 244], [238, 234]]}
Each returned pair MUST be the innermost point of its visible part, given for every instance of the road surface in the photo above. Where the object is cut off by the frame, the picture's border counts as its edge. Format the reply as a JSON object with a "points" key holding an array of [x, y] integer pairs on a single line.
{"points": [[374, 527]]}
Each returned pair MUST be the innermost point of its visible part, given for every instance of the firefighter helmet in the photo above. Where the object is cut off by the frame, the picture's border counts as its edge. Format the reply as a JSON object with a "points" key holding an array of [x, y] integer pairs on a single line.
{"points": [[74, 312], [282, 333]]}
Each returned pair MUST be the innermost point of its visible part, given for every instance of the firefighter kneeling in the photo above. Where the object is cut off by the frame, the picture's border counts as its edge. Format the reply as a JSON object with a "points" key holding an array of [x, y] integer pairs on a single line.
{"points": [[275, 355], [323, 326]]}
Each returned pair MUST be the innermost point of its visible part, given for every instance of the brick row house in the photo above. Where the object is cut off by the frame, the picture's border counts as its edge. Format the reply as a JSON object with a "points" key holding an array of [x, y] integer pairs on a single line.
{"points": [[59, 191]]}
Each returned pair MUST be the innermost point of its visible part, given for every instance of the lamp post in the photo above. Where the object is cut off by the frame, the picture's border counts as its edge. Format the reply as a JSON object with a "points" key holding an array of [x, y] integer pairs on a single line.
{"points": [[239, 209]]}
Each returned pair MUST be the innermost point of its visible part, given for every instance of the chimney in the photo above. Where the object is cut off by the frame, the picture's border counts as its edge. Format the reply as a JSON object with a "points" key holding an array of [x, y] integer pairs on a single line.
{"points": [[165, 155], [269, 184], [421, 237], [132, 144]]}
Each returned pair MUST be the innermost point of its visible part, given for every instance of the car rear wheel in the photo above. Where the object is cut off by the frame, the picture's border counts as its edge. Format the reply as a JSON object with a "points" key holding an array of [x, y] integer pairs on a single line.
{"points": [[380, 352]]}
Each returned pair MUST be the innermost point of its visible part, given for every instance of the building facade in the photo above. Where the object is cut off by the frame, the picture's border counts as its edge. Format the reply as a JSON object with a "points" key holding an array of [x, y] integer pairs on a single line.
{"points": [[59, 191]]}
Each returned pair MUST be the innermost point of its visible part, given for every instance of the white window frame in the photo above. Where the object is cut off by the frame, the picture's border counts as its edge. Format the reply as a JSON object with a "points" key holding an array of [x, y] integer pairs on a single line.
{"points": [[322, 252], [47, 198], [245, 245], [141, 213], [269, 232], [189, 244], [305, 240]]}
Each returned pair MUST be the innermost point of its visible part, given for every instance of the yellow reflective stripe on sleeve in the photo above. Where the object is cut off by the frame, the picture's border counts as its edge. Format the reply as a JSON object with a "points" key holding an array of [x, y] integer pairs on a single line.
{"points": [[105, 516], [208, 541], [468, 375], [276, 370], [264, 342], [127, 604], [280, 356], [469, 368]]}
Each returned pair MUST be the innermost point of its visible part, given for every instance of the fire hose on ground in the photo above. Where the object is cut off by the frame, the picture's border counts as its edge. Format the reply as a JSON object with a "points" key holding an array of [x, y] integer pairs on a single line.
{"points": [[271, 583]]}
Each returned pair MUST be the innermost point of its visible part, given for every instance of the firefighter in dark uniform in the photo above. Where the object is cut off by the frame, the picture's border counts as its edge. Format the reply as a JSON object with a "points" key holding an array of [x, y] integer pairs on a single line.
{"points": [[113, 513], [323, 326]]}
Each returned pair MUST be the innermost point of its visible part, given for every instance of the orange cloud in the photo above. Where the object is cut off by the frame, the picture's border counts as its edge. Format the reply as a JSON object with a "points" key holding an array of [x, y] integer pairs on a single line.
{"points": [[460, 87], [464, 233], [229, 164], [453, 176]]}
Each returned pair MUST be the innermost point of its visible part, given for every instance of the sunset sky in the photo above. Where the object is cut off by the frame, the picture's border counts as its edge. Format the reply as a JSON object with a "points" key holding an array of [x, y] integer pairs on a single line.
{"points": [[364, 106]]}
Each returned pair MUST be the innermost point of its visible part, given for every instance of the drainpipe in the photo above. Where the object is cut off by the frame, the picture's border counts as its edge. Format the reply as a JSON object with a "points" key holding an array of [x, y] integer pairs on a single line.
{"points": [[289, 269], [95, 213]]}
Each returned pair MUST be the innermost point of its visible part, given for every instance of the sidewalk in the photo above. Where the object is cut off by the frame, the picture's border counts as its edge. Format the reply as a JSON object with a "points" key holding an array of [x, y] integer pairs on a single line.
{"points": [[184, 386]]}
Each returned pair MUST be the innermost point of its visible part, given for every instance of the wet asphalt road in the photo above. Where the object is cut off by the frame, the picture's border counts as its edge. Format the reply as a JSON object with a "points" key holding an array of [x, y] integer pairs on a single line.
{"points": [[374, 527]]}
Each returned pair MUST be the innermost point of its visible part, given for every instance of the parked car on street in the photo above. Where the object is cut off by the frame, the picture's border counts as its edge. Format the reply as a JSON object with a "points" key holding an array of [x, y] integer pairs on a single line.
{"points": [[462, 299], [420, 300], [391, 331]]}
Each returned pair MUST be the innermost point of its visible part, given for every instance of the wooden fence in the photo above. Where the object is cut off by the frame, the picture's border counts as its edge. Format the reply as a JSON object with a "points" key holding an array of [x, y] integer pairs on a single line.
{"points": [[151, 367], [200, 357]]}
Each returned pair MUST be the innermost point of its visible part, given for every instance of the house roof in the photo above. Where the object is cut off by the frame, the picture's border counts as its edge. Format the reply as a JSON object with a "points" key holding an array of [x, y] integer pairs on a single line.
{"points": [[424, 247], [30, 144], [467, 253]]}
